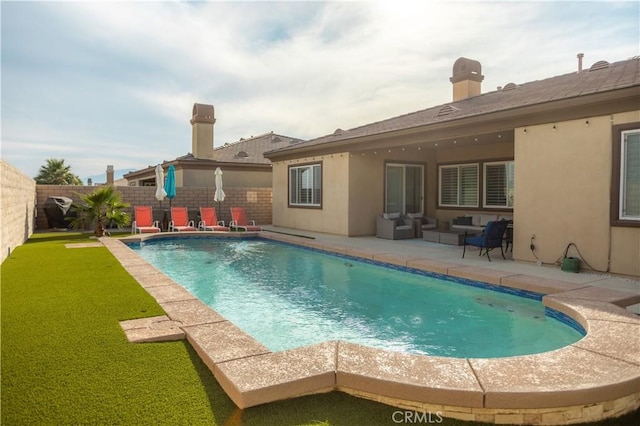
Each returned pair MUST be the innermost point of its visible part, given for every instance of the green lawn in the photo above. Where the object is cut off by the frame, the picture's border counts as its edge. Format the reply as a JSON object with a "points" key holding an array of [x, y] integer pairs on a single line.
{"points": [[65, 359]]}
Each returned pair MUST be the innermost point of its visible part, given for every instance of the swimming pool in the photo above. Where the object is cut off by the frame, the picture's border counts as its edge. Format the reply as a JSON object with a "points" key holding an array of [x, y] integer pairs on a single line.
{"points": [[287, 297]]}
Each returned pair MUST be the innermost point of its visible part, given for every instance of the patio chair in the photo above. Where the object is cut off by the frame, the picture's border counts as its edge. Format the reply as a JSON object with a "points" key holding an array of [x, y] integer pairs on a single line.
{"points": [[239, 220], [393, 226], [491, 238], [143, 220], [180, 220], [422, 223], [209, 220]]}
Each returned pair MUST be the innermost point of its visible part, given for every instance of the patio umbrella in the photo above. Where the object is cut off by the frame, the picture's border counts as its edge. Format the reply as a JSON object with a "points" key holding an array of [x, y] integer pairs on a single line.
{"points": [[170, 183], [219, 194], [160, 192]]}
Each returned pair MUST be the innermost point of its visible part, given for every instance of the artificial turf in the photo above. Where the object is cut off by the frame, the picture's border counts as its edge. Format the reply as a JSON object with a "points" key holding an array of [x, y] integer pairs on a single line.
{"points": [[65, 359]]}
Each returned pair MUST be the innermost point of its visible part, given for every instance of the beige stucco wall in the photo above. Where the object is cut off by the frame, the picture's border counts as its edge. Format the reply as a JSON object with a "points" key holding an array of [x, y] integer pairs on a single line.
{"points": [[625, 251], [353, 191], [230, 178], [563, 181], [353, 186], [17, 214], [333, 216], [367, 179]]}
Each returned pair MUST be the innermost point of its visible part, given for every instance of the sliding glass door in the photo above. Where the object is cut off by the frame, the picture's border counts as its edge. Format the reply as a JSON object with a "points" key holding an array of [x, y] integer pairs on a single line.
{"points": [[404, 188]]}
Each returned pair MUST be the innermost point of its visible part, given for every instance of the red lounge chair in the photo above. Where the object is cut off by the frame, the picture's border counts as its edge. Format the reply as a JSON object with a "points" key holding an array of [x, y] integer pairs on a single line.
{"points": [[239, 220], [209, 220], [180, 220], [143, 220]]}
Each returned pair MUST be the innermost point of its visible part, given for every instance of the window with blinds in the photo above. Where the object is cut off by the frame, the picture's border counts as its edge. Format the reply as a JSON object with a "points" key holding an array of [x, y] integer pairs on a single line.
{"points": [[499, 184], [458, 185], [630, 176], [305, 185]]}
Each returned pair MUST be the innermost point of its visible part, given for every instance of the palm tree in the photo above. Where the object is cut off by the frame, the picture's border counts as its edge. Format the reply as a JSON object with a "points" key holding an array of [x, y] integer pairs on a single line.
{"points": [[55, 172], [102, 205]]}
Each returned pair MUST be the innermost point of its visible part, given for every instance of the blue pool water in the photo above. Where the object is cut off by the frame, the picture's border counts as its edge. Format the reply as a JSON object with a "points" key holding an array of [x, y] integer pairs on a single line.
{"points": [[287, 297]]}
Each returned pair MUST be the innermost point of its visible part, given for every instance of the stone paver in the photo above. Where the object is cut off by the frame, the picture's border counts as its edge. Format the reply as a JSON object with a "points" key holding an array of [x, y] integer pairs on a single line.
{"points": [[152, 329]]}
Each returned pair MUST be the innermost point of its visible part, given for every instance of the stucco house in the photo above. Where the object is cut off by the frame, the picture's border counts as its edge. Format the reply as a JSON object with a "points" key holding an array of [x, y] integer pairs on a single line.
{"points": [[561, 155], [242, 162]]}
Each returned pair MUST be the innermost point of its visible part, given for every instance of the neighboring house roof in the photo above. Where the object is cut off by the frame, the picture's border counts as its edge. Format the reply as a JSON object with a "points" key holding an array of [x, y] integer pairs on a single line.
{"points": [[601, 77], [245, 152], [251, 150]]}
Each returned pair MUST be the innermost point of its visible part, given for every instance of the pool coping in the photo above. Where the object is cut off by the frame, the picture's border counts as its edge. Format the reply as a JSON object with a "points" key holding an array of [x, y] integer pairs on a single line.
{"points": [[594, 378]]}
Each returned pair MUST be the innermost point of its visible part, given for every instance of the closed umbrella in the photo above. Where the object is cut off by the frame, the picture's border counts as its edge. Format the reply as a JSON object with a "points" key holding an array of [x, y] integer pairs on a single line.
{"points": [[160, 192], [219, 194], [170, 183]]}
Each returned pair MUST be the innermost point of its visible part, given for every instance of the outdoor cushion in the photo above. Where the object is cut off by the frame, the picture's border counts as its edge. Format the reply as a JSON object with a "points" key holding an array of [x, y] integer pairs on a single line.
{"points": [[415, 215], [486, 218], [462, 220], [391, 215]]}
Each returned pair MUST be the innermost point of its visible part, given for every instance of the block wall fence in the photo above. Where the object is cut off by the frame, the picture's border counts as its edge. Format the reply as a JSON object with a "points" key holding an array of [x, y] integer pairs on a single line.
{"points": [[256, 201], [18, 202]]}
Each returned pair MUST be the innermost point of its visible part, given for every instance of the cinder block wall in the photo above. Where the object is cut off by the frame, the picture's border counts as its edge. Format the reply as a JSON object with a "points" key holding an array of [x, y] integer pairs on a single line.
{"points": [[18, 194], [257, 201]]}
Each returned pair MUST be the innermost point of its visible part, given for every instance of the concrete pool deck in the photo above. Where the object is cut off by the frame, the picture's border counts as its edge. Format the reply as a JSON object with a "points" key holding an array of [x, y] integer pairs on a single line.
{"points": [[594, 378]]}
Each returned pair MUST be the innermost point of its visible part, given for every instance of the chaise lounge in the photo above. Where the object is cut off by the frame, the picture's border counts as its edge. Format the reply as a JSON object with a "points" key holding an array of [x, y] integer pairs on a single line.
{"points": [[209, 220], [180, 220], [143, 220], [239, 220]]}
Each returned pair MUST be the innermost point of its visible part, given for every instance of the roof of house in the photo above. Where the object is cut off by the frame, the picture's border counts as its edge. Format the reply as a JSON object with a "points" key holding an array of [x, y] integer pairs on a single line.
{"points": [[601, 77], [251, 150], [247, 151], [243, 152]]}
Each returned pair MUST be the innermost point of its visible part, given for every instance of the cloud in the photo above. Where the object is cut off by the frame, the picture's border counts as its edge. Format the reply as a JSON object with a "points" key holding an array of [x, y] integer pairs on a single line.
{"points": [[114, 82]]}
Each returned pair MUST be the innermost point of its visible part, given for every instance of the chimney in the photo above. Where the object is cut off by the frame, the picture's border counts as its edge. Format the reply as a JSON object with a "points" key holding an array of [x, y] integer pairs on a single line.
{"points": [[202, 131], [466, 78], [109, 175], [580, 56]]}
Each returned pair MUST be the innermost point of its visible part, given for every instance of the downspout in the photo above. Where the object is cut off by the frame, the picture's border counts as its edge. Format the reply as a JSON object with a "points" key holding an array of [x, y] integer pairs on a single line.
{"points": [[610, 189]]}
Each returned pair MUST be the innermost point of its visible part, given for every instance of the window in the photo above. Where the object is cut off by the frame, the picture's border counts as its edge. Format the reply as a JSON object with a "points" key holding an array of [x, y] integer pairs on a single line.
{"points": [[625, 187], [498, 184], [459, 185], [305, 185]]}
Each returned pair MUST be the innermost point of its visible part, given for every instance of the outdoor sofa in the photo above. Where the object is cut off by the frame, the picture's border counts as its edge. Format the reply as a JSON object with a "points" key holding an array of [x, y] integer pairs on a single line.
{"points": [[476, 222]]}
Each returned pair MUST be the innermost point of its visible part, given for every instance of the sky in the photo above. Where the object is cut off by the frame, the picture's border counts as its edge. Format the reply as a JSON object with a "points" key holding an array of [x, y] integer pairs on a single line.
{"points": [[98, 83]]}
